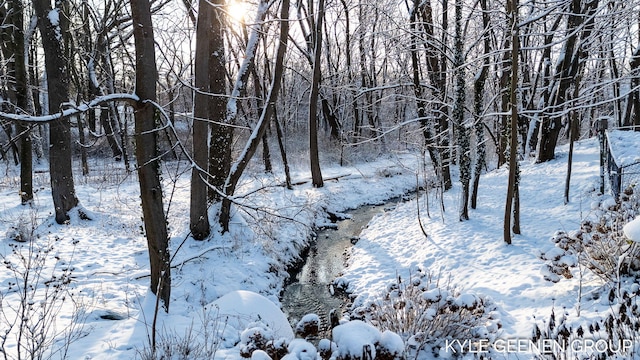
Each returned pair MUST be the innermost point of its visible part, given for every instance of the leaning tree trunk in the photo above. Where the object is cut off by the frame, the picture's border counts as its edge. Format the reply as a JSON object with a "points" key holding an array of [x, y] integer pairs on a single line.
{"points": [[62, 186], [155, 222], [566, 71], [261, 127]]}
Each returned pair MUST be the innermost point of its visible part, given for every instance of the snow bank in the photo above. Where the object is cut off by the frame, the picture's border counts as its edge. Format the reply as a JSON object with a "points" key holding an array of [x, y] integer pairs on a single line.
{"points": [[243, 307]]}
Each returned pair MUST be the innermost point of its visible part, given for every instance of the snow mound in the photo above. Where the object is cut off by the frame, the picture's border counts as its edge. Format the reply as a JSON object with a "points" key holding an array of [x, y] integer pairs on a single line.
{"points": [[243, 307], [632, 230]]}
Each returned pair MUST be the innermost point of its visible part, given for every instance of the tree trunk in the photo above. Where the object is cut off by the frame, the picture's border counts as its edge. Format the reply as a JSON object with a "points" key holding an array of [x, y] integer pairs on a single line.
{"points": [[421, 104], [566, 71], [478, 105], [283, 152], [316, 173], [198, 214], [155, 222], [261, 127], [512, 11], [437, 70], [62, 186], [462, 131], [18, 70], [221, 133]]}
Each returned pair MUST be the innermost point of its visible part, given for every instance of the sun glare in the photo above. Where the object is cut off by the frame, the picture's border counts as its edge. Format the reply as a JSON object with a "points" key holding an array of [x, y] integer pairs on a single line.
{"points": [[236, 10]]}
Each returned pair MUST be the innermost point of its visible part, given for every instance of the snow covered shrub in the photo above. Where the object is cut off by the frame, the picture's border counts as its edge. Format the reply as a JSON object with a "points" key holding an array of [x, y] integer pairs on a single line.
{"points": [[599, 245], [308, 326], [38, 291], [426, 313], [616, 336], [260, 337], [357, 340]]}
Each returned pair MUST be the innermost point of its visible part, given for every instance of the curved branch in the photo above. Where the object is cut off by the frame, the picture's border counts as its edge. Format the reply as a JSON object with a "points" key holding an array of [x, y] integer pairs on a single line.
{"points": [[71, 111]]}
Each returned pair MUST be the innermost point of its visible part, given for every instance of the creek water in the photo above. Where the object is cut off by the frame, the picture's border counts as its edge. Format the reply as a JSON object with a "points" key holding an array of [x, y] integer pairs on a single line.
{"points": [[310, 290]]}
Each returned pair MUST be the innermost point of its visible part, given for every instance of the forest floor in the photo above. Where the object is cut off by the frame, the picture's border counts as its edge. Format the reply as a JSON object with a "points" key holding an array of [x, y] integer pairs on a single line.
{"points": [[101, 266]]}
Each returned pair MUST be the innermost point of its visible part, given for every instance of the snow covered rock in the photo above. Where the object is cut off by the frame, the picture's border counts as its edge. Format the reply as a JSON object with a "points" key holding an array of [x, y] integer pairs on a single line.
{"points": [[243, 308]]}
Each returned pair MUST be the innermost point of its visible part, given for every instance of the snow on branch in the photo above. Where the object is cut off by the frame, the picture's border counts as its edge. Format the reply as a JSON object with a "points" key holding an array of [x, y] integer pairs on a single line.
{"points": [[71, 111]]}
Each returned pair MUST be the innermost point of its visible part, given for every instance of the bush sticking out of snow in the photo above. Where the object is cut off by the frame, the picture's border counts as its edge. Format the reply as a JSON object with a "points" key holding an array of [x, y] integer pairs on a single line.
{"points": [[424, 313], [356, 340], [600, 244], [617, 336], [301, 350], [308, 326]]}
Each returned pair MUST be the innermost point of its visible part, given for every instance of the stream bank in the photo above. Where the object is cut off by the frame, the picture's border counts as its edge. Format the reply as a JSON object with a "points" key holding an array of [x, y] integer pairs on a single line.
{"points": [[310, 290]]}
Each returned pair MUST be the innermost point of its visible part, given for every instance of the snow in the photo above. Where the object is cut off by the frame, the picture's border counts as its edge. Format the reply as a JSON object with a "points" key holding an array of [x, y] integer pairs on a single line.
{"points": [[621, 145], [242, 272], [243, 307], [353, 337], [632, 230]]}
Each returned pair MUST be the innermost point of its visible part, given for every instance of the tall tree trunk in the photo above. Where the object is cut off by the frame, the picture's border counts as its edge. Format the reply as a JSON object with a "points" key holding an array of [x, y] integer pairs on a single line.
{"points": [[437, 70], [348, 59], [316, 173], [512, 11], [155, 222], [198, 215], [462, 132], [18, 70], [421, 104], [566, 71], [478, 105], [62, 186], [221, 132]]}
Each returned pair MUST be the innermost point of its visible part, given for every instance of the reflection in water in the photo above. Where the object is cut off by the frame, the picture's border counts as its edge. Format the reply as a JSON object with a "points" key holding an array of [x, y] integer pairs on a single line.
{"points": [[311, 290]]}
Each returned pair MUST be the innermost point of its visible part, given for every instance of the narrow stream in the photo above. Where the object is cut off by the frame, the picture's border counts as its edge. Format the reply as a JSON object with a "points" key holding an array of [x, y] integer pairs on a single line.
{"points": [[310, 291]]}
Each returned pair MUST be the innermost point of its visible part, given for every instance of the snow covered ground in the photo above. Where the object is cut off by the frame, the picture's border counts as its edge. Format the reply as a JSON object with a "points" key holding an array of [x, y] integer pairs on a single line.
{"points": [[106, 264]]}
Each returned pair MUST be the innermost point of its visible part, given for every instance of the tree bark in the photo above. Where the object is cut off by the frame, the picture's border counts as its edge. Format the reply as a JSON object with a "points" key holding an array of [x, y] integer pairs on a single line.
{"points": [[18, 70], [198, 215], [314, 159], [464, 146], [155, 222], [566, 71], [221, 133], [512, 11], [478, 104], [60, 166]]}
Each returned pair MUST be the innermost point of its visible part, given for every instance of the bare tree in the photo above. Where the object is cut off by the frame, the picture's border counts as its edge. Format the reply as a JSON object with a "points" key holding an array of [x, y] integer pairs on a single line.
{"points": [[207, 29], [478, 105], [512, 13], [316, 173], [155, 222], [567, 68], [14, 47], [62, 186], [267, 112], [462, 131]]}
